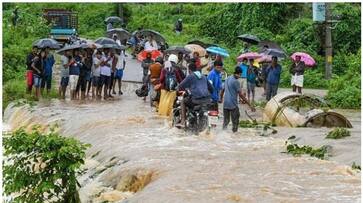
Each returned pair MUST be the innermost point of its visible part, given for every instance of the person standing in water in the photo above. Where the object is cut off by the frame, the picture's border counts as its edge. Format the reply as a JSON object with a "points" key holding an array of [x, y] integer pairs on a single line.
{"points": [[229, 96]]}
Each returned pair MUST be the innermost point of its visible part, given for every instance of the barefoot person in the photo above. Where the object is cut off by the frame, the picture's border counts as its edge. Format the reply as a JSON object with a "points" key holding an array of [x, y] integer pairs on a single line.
{"points": [[29, 72], [48, 71], [65, 62], [230, 93], [273, 73], [120, 67], [38, 71], [297, 74], [251, 81]]}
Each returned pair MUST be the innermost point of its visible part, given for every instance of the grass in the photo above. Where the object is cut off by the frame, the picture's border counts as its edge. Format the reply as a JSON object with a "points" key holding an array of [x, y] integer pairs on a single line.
{"points": [[338, 133], [15, 91], [297, 150]]}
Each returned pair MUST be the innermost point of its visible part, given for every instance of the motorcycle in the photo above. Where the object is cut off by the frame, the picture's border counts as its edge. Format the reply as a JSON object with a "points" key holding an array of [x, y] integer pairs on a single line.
{"points": [[199, 117]]}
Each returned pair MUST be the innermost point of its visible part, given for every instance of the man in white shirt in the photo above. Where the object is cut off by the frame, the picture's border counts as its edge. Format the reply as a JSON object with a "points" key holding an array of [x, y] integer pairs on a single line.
{"points": [[151, 44], [120, 66], [105, 70], [96, 75]]}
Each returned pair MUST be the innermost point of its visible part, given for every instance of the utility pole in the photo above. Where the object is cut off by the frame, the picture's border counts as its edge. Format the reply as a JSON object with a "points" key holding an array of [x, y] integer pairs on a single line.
{"points": [[328, 43]]}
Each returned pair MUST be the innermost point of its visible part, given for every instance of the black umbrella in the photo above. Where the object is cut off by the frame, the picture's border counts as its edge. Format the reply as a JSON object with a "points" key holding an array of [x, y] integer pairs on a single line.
{"points": [[249, 38], [269, 45], [113, 46], [177, 49], [275, 52], [122, 34], [105, 40], [113, 19], [46, 42], [157, 36], [69, 47]]}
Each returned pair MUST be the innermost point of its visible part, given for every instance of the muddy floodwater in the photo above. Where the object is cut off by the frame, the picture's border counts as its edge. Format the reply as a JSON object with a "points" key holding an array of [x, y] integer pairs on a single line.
{"points": [[137, 157]]}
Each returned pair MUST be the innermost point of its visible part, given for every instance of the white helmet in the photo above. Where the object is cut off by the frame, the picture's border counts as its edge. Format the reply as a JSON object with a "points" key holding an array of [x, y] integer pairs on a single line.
{"points": [[173, 58]]}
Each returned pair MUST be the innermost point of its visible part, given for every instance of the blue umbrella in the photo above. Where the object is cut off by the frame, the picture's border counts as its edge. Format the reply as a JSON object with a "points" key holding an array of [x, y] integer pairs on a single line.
{"points": [[218, 50]]}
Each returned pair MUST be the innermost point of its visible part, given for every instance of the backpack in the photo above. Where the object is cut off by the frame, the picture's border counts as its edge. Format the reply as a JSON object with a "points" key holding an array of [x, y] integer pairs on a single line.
{"points": [[143, 91], [170, 80]]}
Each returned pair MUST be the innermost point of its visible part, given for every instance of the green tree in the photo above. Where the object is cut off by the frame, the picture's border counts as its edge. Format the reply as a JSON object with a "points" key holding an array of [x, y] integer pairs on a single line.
{"points": [[42, 167]]}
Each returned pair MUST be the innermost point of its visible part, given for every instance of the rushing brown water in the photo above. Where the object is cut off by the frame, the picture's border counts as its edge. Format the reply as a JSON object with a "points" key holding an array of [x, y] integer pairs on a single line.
{"points": [[133, 150]]}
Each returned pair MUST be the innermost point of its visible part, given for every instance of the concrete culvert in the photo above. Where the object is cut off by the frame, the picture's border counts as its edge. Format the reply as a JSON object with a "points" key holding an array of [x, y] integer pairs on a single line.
{"points": [[295, 110]]}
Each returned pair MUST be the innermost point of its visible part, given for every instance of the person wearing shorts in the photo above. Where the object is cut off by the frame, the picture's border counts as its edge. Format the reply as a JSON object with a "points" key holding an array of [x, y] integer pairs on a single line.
{"points": [[243, 78], [74, 71], [64, 74], [105, 70], [29, 72], [38, 71], [96, 74], [120, 66]]}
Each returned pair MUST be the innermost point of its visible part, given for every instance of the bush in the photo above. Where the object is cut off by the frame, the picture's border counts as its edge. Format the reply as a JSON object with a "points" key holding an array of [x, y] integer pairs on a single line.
{"points": [[338, 133], [345, 91], [42, 167]]}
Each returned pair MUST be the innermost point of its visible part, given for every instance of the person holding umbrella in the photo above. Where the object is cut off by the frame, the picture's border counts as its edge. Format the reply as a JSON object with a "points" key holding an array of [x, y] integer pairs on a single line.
{"points": [[38, 71], [29, 72], [64, 73], [48, 71], [273, 73], [297, 74], [74, 71]]}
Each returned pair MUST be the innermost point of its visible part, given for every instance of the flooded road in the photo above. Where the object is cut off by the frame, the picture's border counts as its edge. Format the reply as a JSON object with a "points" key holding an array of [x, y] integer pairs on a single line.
{"points": [[133, 148]]}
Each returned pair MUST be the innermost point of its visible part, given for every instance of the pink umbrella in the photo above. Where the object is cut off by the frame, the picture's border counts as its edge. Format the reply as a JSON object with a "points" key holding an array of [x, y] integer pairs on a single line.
{"points": [[306, 58], [264, 58], [249, 55]]}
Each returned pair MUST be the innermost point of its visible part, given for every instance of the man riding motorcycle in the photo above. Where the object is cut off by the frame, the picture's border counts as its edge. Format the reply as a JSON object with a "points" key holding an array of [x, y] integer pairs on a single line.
{"points": [[200, 91]]}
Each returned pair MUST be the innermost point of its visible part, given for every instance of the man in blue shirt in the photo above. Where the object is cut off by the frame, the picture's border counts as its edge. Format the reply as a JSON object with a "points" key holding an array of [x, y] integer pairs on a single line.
{"points": [[231, 92], [48, 71], [243, 79], [273, 73], [215, 78], [199, 89]]}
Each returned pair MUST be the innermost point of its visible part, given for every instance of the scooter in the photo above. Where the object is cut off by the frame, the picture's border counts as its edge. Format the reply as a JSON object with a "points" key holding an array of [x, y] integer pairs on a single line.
{"points": [[199, 117]]}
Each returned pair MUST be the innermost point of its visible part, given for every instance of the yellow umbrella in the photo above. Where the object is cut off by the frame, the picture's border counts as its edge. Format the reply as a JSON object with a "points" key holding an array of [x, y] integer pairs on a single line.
{"points": [[196, 48]]}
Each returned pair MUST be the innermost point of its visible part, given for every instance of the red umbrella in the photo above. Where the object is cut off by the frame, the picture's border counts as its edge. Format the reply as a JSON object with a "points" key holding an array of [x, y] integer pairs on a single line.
{"points": [[249, 55], [154, 54], [306, 58]]}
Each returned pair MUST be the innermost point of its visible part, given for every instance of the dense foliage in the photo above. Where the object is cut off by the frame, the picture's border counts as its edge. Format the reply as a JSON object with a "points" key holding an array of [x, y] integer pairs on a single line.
{"points": [[290, 25], [42, 167]]}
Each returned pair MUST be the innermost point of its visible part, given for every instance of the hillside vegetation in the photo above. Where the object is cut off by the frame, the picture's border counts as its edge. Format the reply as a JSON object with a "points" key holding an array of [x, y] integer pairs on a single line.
{"points": [[290, 25]]}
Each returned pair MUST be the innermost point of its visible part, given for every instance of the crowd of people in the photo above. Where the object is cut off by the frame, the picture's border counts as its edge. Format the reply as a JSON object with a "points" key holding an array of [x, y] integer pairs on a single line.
{"points": [[96, 72], [87, 72]]}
